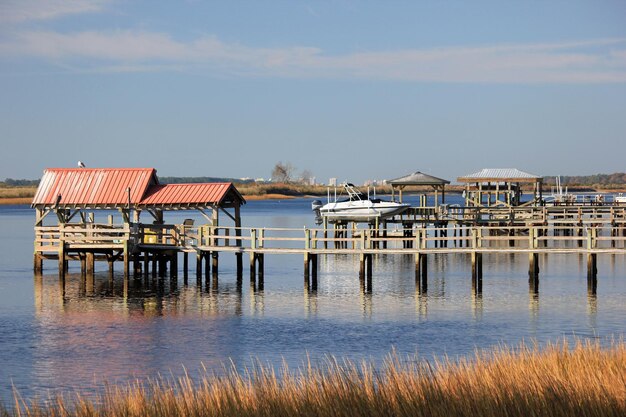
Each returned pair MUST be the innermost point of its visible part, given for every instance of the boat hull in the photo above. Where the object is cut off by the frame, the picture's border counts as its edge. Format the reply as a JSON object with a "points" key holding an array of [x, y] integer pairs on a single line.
{"points": [[361, 210]]}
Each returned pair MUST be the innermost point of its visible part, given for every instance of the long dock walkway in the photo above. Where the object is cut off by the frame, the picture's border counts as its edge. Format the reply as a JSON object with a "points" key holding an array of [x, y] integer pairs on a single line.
{"points": [[590, 231]]}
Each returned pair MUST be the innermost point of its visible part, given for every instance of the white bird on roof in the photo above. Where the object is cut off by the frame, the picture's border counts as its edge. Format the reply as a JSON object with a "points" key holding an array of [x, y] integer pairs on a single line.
{"points": [[80, 164]]}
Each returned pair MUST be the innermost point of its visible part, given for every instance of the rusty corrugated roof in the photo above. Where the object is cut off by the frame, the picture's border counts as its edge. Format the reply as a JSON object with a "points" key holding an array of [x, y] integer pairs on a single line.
{"points": [[93, 187], [201, 194]]}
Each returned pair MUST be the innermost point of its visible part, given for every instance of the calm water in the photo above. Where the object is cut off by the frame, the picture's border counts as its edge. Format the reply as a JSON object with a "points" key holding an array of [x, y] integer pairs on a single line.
{"points": [[92, 333]]}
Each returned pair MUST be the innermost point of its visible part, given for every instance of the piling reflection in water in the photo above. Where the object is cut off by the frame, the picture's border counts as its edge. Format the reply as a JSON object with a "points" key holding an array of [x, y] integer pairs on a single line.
{"points": [[389, 276], [118, 328]]}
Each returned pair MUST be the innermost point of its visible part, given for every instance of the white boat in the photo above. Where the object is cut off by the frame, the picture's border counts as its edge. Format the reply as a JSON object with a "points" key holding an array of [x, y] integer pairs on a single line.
{"points": [[356, 207], [620, 198], [559, 197]]}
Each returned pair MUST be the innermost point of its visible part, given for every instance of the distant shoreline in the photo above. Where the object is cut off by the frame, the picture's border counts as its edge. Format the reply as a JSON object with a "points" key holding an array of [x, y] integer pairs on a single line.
{"points": [[312, 193]]}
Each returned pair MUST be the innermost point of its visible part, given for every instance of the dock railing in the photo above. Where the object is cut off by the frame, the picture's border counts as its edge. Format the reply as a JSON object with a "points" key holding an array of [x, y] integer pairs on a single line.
{"points": [[49, 238], [479, 238], [559, 233]]}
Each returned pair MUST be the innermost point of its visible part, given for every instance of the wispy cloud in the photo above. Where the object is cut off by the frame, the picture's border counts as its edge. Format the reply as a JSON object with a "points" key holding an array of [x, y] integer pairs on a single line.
{"points": [[17, 11], [591, 61]]}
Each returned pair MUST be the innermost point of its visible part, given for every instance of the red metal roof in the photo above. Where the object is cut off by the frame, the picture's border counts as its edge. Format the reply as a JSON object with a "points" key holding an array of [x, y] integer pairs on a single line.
{"points": [[93, 187], [201, 194]]}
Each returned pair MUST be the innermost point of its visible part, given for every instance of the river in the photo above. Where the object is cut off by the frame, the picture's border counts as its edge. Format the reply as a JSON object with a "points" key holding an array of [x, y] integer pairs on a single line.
{"points": [[89, 333]]}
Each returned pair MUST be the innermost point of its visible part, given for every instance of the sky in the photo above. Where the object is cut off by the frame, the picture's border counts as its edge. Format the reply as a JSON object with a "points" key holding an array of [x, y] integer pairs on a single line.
{"points": [[355, 90]]}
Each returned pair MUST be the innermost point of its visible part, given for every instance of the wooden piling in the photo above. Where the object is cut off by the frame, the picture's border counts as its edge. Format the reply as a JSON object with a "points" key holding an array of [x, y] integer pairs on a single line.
{"points": [[207, 266], [198, 265], [126, 259], [174, 265], [91, 263], [185, 267], [477, 271], [83, 263], [239, 262], [592, 266], [146, 262], [310, 271], [592, 274], [365, 271], [533, 264], [61, 254], [215, 257], [421, 272], [38, 263], [533, 273]]}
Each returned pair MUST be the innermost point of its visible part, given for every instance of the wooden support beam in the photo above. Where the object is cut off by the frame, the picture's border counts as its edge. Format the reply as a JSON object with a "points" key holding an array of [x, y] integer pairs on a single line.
{"points": [[592, 274], [423, 272], [174, 265], [199, 265], [239, 261], [252, 266], [146, 264], [83, 263], [37, 263], [592, 266], [62, 263], [261, 272], [110, 261], [368, 273], [185, 267], [207, 267], [477, 272], [126, 259], [215, 256]]}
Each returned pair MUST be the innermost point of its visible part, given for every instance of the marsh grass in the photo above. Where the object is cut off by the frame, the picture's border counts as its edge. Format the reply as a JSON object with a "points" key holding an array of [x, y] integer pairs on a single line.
{"points": [[17, 192], [557, 380]]}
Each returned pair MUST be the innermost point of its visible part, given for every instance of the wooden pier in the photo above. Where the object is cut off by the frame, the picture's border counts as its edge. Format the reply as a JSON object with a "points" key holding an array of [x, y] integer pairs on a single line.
{"points": [[151, 250], [71, 197]]}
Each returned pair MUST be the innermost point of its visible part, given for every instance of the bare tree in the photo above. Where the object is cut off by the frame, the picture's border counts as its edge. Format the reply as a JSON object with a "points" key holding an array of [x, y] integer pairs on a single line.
{"points": [[282, 172], [306, 177]]}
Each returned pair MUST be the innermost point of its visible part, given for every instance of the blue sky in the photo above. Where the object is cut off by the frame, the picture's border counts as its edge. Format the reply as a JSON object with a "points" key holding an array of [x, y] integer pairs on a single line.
{"points": [[353, 90]]}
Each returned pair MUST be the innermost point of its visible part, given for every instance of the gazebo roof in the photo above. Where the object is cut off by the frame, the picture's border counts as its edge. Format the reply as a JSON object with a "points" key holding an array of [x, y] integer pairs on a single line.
{"points": [[418, 178], [500, 175]]}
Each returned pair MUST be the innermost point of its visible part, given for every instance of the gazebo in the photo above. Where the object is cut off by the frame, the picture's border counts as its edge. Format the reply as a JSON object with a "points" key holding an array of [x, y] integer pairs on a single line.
{"points": [[500, 186], [420, 179]]}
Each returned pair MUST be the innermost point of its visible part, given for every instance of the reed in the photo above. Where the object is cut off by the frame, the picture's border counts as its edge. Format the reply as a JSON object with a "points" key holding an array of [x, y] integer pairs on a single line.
{"points": [[298, 190], [557, 380], [17, 192]]}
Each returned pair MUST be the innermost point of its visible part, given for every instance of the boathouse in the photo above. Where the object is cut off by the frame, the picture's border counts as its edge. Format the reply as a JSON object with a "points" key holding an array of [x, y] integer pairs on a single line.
{"points": [[419, 179], [68, 199], [503, 187]]}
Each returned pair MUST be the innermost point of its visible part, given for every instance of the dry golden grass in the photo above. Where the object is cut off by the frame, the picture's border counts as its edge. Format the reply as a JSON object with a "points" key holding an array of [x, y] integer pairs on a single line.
{"points": [[584, 380], [268, 190], [17, 192]]}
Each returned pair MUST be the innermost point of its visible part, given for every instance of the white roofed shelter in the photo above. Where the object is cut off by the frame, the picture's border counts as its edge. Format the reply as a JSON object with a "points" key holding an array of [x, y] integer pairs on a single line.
{"points": [[501, 187]]}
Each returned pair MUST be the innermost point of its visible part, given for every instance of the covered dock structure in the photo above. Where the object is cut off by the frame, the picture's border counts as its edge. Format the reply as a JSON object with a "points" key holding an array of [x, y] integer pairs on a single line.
{"points": [[134, 203], [419, 179], [504, 187]]}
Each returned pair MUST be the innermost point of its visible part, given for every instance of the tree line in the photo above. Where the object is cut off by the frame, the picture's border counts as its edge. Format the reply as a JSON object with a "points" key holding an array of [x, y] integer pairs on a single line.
{"points": [[618, 178]]}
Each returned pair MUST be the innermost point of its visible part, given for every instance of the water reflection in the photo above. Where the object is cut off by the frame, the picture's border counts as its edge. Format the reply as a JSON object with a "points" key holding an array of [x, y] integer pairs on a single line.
{"points": [[103, 327], [477, 306], [310, 302]]}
